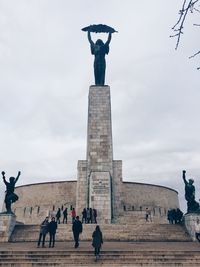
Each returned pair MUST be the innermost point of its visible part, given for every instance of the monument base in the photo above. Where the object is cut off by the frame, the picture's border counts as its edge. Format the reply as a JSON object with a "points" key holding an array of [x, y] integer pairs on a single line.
{"points": [[190, 221], [100, 195], [7, 224]]}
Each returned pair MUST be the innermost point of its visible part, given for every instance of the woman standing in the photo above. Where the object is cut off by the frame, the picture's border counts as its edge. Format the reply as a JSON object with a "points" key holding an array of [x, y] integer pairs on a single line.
{"points": [[97, 241], [73, 215]]}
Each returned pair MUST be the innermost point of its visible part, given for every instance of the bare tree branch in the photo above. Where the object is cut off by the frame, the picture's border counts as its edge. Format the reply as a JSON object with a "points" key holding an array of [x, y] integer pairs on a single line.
{"points": [[195, 54], [188, 6], [178, 27]]}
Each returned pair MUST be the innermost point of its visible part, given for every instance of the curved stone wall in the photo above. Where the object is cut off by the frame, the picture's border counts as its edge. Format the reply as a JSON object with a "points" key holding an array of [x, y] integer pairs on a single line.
{"points": [[139, 196], [36, 201]]}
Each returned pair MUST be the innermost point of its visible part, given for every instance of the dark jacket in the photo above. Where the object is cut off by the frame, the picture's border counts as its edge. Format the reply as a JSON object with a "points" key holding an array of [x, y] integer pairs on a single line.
{"points": [[65, 213], [52, 227], [58, 214], [97, 239], [77, 227], [44, 227]]}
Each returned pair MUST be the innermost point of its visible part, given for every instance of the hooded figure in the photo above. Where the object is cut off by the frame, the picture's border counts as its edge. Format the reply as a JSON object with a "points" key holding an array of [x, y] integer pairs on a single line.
{"points": [[97, 241]]}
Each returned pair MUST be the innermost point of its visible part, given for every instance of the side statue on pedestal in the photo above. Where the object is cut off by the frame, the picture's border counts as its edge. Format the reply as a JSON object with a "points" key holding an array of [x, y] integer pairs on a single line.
{"points": [[192, 204], [99, 50], [10, 197]]}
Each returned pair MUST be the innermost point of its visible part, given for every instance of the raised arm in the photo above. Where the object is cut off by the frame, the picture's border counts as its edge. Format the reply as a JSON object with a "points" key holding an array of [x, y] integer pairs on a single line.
{"points": [[4, 178], [184, 177], [109, 38], [16, 179], [90, 39]]}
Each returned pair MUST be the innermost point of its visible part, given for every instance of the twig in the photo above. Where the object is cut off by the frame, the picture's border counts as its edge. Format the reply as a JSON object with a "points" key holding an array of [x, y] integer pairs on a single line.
{"points": [[195, 54]]}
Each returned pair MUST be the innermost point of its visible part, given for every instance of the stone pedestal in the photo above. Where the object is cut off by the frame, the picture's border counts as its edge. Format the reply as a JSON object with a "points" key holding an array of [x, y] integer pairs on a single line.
{"points": [[99, 177], [190, 221], [100, 195], [7, 224]]}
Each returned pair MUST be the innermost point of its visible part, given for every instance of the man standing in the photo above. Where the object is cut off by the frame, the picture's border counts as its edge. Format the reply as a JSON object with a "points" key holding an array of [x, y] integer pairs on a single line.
{"points": [[52, 231], [77, 229]]}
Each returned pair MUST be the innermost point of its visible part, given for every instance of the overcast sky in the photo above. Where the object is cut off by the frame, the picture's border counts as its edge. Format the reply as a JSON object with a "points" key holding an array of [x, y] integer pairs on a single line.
{"points": [[45, 72]]}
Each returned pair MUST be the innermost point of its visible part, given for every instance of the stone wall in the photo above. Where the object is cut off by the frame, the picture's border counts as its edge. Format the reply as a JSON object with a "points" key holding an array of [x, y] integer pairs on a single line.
{"points": [[139, 196], [36, 201]]}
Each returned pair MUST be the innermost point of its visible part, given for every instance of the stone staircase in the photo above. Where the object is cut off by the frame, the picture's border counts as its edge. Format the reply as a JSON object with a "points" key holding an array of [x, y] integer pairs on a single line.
{"points": [[121, 254], [124, 246], [145, 231]]}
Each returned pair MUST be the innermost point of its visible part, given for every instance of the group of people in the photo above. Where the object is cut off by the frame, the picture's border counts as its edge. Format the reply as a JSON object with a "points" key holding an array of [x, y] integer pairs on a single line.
{"points": [[58, 215], [174, 216], [77, 228], [89, 215], [63, 213]]}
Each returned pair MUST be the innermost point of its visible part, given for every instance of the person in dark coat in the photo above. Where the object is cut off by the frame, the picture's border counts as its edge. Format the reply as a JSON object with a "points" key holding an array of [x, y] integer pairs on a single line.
{"points": [[94, 215], [91, 216], [52, 231], [97, 241], [84, 215], [88, 215], [58, 215], [44, 227], [77, 229], [65, 215], [179, 215]]}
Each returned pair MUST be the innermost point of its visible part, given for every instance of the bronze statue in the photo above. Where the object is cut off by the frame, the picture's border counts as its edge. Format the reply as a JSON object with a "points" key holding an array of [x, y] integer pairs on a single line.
{"points": [[192, 204], [99, 49], [10, 197]]}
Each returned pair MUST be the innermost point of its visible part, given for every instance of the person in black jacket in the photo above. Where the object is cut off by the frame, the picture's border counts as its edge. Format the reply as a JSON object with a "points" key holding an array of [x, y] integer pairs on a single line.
{"points": [[58, 215], [65, 215], [84, 215], [77, 228], [52, 231], [97, 241]]}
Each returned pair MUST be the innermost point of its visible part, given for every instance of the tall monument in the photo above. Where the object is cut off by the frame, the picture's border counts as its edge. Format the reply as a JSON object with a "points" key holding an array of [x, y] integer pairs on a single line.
{"points": [[99, 176]]}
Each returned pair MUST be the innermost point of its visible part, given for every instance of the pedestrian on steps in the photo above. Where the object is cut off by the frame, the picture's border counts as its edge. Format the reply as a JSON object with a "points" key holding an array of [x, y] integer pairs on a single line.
{"points": [[43, 231], [52, 232], [97, 241], [58, 215], [77, 229], [65, 215], [73, 215]]}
